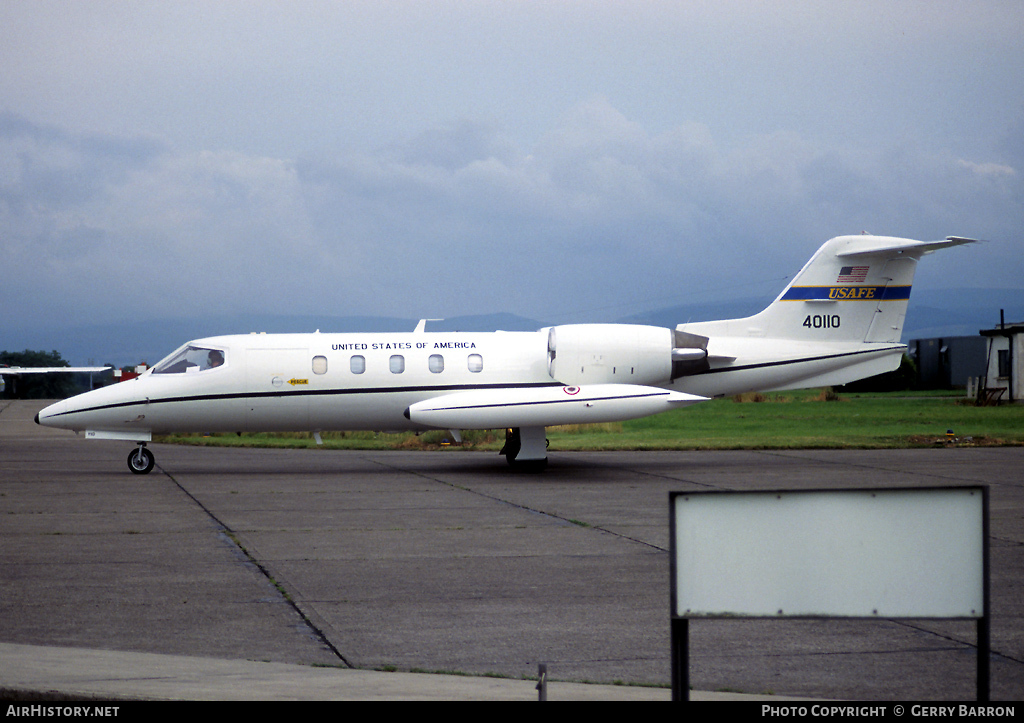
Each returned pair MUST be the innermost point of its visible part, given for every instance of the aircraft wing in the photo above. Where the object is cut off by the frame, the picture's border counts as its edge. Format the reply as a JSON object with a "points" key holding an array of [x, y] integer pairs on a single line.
{"points": [[50, 370], [546, 406]]}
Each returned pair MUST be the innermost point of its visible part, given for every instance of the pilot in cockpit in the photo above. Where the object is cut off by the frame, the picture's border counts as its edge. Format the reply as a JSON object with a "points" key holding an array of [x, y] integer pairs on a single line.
{"points": [[214, 359], [190, 359]]}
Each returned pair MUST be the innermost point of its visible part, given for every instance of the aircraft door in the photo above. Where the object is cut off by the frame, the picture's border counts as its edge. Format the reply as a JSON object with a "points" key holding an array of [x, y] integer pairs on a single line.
{"points": [[276, 382]]}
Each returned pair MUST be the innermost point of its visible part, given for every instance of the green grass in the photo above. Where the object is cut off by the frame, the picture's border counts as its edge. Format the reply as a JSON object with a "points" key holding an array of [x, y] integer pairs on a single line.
{"points": [[786, 420], [805, 420]]}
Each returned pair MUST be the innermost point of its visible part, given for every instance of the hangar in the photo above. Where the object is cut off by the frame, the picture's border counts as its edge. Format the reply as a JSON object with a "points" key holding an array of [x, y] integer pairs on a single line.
{"points": [[948, 362]]}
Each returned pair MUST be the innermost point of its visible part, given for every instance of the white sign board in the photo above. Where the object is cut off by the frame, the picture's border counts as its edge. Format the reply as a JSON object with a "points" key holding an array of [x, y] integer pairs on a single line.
{"points": [[836, 553]]}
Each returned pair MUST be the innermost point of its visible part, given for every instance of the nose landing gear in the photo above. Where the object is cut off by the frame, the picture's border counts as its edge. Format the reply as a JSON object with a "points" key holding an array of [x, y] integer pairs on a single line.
{"points": [[141, 460]]}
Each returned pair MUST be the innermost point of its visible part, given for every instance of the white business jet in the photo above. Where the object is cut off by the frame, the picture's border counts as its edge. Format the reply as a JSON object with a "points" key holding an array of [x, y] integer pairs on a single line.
{"points": [[838, 321]]}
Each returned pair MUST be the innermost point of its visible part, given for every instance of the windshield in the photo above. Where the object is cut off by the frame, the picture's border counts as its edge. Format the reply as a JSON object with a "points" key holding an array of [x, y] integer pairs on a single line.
{"points": [[191, 359]]}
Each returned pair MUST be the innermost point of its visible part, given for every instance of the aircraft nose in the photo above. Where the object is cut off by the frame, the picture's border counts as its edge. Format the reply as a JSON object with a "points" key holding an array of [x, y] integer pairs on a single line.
{"points": [[44, 417]]}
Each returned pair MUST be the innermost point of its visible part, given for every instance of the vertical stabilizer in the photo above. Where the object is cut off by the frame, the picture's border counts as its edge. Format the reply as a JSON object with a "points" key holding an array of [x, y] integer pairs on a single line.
{"points": [[854, 289]]}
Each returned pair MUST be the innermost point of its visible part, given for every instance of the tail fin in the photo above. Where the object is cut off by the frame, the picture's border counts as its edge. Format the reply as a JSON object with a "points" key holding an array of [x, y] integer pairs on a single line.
{"points": [[854, 289]]}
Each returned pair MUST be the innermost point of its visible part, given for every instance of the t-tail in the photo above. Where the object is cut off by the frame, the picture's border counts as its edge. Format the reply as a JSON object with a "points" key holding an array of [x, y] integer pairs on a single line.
{"points": [[840, 319]]}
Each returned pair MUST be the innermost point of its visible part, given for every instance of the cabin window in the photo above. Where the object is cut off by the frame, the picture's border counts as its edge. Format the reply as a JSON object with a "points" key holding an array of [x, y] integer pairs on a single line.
{"points": [[191, 359], [397, 364], [357, 364], [435, 363], [319, 365], [476, 363]]}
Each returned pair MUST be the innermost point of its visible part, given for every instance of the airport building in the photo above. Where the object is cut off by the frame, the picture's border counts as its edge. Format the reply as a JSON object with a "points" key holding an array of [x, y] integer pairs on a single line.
{"points": [[990, 366], [948, 362], [1004, 369]]}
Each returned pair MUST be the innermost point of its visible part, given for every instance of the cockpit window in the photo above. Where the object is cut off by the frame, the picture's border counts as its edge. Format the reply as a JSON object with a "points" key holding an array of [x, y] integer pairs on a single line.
{"points": [[191, 359]]}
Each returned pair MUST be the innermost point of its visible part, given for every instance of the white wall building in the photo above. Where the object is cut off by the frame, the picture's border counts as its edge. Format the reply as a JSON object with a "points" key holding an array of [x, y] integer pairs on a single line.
{"points": [[1005, 367]]}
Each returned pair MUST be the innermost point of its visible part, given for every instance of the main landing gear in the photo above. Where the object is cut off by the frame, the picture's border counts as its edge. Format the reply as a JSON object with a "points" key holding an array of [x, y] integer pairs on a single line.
{"points": [[526, 448], [141, 460]]}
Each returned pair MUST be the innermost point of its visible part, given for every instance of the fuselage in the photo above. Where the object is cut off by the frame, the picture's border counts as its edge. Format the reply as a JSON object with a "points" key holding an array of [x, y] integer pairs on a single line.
{"points": [[327, 381], [282, 382]]}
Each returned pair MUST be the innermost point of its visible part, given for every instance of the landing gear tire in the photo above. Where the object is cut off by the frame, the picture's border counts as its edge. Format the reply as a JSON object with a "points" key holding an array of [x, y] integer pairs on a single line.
{"points": [[512, 445], [141, 461], [536, 447]]}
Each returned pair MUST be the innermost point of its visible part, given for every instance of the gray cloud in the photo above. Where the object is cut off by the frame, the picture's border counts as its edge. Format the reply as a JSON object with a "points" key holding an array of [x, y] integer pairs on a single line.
{"points": [[600, 216]]}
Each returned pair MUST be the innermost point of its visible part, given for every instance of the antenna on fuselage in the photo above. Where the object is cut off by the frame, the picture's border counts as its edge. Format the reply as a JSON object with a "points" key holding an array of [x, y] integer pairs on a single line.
{"points": [[422, 326]]}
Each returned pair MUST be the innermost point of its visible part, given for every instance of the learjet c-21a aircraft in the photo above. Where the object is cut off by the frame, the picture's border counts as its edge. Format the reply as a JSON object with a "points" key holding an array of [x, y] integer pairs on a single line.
{"points": [[839, 320]]}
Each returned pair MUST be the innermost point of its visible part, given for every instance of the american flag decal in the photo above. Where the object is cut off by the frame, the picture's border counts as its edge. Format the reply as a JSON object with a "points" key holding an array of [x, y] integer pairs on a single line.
{"points": [[854, 274]]}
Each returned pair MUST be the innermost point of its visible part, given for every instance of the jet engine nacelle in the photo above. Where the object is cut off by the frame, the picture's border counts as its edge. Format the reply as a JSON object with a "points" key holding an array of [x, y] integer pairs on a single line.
{"points": [[622, 353]]}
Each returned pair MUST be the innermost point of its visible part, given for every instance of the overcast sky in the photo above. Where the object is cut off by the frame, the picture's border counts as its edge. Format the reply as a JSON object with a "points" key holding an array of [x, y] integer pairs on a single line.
{"points": [[568, 161]]}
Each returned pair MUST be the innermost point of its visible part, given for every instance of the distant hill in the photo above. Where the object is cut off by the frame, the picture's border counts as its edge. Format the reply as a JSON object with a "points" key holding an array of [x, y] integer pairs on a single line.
{"points": [[960, 312], [939, 313]]}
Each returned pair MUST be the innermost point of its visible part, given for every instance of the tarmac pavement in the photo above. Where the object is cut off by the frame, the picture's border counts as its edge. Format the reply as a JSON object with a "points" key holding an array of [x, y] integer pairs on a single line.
{"points": [[231, 573]]}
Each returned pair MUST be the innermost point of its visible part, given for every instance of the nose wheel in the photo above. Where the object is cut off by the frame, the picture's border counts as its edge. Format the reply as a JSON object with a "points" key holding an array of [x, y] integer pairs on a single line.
{"points": [[141, 460]]}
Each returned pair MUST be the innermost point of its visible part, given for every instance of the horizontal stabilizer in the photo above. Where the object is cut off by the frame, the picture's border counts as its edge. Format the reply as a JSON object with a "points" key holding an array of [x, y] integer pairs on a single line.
{"points": [[888, 244], [546, 406]]}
